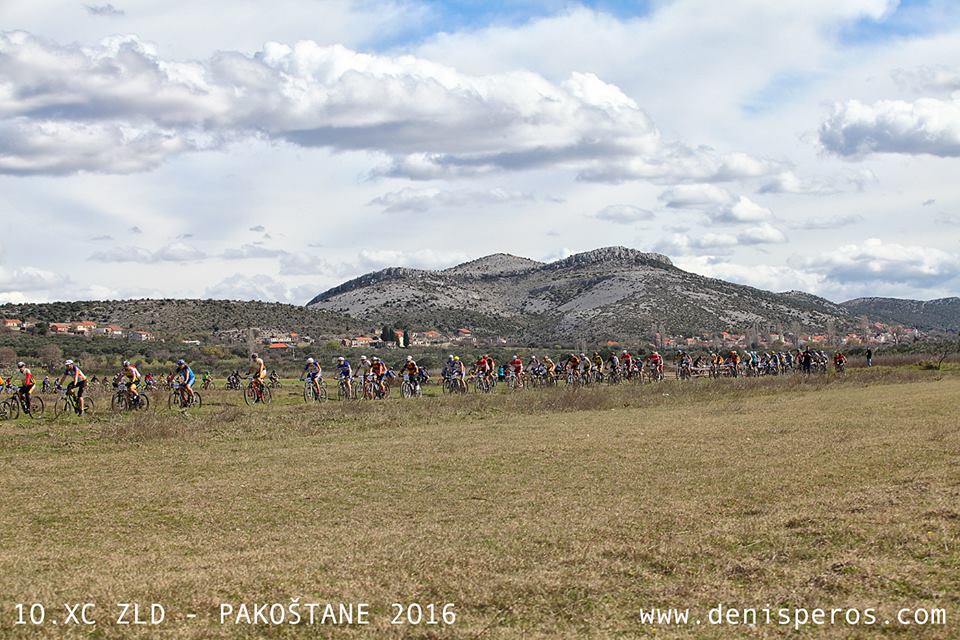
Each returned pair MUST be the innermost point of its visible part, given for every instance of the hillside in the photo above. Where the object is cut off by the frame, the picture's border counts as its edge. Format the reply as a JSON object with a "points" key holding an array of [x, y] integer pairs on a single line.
{"points": [[931, 315], [611, 293], [187, 318]]}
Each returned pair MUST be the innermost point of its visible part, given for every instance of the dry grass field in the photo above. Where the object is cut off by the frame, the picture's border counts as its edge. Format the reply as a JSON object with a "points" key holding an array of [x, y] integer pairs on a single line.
{"points": [[540, 514]]}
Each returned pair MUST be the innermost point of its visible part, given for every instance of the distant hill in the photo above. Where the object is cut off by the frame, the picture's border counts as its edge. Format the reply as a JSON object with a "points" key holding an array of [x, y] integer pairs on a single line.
{"points": [[931, 315], [611, 293], [187, 318]]}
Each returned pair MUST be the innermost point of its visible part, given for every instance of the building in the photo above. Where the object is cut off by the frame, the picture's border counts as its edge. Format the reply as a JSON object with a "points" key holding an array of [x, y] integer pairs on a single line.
{"points": [[109, 331], [12, 324], [141, 336], [83, 328], [59, 327]]}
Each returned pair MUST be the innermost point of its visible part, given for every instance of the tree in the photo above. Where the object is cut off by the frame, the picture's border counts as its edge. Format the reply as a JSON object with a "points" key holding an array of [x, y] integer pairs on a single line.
{"points": [[406, 338], [41, 328], [387, 334], [50, 354], [7, 356]]}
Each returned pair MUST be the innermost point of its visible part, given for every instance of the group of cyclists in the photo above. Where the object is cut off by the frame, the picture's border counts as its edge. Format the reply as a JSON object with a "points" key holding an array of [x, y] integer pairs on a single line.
{"points": [[374, 374]]}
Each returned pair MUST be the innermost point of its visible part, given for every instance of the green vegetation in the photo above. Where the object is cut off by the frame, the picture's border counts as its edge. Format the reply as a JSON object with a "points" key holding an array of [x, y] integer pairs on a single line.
{"points": [[540, 514]]}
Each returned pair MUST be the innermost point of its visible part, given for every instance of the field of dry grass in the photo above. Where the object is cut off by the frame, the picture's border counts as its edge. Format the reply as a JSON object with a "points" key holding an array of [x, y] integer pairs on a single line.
{"points": [[547, 514]]}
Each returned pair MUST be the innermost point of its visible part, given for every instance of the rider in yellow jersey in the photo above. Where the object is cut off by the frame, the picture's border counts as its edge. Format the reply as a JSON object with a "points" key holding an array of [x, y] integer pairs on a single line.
{"points": [[77, 385], [257, 371]]}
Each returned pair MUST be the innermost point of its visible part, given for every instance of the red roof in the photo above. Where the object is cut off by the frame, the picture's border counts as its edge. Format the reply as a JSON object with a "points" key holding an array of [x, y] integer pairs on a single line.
{"points": [[279, 345]]}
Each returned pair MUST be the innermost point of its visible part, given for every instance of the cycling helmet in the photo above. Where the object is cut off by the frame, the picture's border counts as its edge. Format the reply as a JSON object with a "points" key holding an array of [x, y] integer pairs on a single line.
{"points": [[310, 360], [253, 356], [181, 362], [340, 359], [456, 358], [450, 357], [21, 365], [409, 358], [68, 362], [126, 363], [363, 358]]}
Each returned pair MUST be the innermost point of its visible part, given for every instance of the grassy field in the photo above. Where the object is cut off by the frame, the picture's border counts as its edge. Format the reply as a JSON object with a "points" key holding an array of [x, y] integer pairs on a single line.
{"points": [[539, 514]]}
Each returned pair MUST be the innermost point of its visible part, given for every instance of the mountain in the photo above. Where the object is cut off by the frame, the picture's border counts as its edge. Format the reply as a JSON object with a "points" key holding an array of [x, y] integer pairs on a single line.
{"points": [[188, 318], [931, 315], [611, 293]]}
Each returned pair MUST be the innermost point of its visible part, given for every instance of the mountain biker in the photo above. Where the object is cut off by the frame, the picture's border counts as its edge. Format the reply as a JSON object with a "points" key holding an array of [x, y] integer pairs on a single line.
{"points": [[657, 360], [839, 360], [410, 371], [274, 376], [516, 366], [456, 372], [185, 373], [549, 365], [572, 363], [312, 372], [613, 362], [627, 360], [77, 384], [345, 374], [378, 370], [257, 372], [597, 361], [26, 388], [46, 384], [133, 378], [484, 367]]}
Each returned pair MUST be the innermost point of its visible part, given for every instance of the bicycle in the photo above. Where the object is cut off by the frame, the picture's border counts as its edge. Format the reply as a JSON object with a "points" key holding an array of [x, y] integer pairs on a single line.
{"points": [[454, 384], [310, 392], [410, 389], [372, 390], [482, 383], [345, 390], [123, 400], [257, 393], [68, 403], [179, 400]]}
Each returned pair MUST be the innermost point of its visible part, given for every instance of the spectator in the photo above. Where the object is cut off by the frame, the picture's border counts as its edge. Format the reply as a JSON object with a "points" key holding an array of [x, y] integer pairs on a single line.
{"points": [[869, 357]]}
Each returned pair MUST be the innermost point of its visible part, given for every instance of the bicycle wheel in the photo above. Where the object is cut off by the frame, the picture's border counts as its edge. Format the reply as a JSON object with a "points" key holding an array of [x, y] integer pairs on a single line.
{"points": [[61, 406], [250, 395], [118, 402], [9, 410], [308, 393], [174, 401], [342, 391], [197, 401], [37, 407], [143, 402]]}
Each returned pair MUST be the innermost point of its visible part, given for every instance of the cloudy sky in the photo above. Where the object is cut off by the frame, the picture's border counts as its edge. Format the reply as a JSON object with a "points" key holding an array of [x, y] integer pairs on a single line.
{"points": [[240, 149]]}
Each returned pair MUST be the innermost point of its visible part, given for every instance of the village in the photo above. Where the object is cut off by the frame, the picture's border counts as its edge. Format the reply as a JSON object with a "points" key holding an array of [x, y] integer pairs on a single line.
{"points": [[872, 334]]}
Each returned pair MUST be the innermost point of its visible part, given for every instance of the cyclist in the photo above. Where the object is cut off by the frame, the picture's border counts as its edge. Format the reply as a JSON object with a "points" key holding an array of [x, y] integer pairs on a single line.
{"points": [[133, 379], [550, 366], [46, 384], [516, 367], [613, 362], [378, 370], [456, 372], [839, 360], [274, 376], [363, 369], [597, 363], [257, 372], [77, 384], [207, 381], [312, 372], [28, 384], [657, 361], [185, 373], [345, 374], [484, 367], [411, 371]]}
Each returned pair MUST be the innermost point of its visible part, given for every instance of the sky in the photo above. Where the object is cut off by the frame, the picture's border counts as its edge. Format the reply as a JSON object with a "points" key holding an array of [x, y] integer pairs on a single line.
{"points": [[244, 150]]}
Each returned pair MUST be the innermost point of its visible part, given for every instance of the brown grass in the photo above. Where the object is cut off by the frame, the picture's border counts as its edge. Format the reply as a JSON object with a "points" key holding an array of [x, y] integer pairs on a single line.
{"points": [[546, 514]]}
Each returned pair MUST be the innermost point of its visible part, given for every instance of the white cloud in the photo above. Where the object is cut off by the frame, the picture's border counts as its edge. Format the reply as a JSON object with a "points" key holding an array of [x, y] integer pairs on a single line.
{"points": [[925, 126], [173, 252], [681, 244], [623, 214], [260, 287], [790, 182], [247, 251], [411, 199], [104, 10], [369, 259], [119, 107], [929, 78], [879, 262], [826, 222], [719, 204]]}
